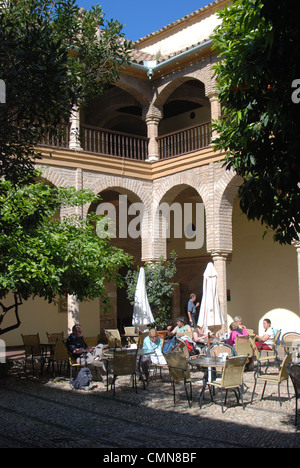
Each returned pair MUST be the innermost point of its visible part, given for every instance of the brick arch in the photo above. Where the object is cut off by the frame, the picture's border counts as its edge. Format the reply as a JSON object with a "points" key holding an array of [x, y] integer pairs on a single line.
{"points": [[173, 83], [123, 185], [52, 175], [139, 89], [186, 179], [226, 189]]}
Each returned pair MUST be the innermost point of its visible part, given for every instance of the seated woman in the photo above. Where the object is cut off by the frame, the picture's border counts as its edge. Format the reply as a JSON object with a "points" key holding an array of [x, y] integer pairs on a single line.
{"points": [[151, 343], [234, 332], [266, 341], [198, 336], [180, 328]]}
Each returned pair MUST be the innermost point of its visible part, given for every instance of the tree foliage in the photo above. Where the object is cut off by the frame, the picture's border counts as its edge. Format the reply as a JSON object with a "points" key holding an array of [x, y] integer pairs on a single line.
{"points": [[159, 287], [44, 256], [260, 132], [53, 56]]}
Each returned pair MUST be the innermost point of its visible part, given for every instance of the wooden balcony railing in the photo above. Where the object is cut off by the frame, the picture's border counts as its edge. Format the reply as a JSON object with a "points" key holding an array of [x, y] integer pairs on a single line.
{"points": [[99, 140], [102, 141], [184, 141]]}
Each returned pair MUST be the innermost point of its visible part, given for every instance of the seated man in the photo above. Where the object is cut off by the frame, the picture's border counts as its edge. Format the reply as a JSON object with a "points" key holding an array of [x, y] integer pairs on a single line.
{"points": [[266, 341], [82, 353]]}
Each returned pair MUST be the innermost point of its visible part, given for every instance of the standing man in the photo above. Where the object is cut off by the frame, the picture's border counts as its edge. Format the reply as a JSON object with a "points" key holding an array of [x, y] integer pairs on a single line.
{"points": [[191, 310]]}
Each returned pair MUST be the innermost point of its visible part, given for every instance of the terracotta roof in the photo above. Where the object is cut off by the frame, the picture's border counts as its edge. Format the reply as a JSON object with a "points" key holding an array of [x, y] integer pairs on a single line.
{"points": [[177, 22], [138, 56]]}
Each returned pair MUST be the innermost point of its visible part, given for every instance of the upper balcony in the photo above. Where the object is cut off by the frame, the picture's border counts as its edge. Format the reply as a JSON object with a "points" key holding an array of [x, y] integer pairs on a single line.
{"points": [[113, 143]]}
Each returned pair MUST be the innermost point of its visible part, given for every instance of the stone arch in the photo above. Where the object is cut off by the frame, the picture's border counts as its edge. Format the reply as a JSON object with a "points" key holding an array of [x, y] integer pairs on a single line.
{"points": [[53, 175], [170, 85], [140, 190]]}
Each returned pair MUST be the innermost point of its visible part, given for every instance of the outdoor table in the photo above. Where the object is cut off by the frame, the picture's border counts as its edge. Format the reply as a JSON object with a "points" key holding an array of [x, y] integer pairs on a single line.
{"points": [[205, 362]]}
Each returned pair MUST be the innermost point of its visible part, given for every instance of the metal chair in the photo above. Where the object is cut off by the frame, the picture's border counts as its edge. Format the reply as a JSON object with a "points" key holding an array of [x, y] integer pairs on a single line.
{"points": [[288, 339], [180, 372], [91, 340], [33, 350], [263, 359], [73, 364], [131, 336], [278, 378], [124, 363], [243, 346], [294, 373], [113, 338], [53, 337], [217, 349], [232, 378], [60, 356]]}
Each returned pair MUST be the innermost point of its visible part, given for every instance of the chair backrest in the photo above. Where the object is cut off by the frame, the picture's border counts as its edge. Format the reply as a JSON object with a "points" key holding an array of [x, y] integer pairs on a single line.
{"points": [[283, 373], [72, 358], [31, 344], [233, 371], [142, 336], [294, 373], [289, 337], [124, 362], [243, 346], [220, 348], [181, 346], [254, 348], [60, 352], [178, 365], [189, 334], [113, 338], [53, 337], [91, 340], [129, 330], [277, 337]]}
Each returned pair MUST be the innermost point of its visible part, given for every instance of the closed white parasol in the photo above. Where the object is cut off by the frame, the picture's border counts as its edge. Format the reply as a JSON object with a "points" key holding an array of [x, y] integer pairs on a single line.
{"points": [[142, 315], [210, 316]]}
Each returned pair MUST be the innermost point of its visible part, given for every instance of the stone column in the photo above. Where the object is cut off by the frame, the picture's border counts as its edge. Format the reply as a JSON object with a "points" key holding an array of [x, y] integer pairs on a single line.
{"points": [[152, 118], [215, 108], [73, 311], [74, 142], [219, 259]]}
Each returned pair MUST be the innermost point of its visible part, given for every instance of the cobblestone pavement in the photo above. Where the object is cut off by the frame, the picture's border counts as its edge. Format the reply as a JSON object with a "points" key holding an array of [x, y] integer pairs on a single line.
{"points": [[46, 412]]}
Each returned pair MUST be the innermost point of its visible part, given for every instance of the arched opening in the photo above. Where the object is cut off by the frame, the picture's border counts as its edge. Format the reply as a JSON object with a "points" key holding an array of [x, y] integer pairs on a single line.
{"points": [[121, 206]]}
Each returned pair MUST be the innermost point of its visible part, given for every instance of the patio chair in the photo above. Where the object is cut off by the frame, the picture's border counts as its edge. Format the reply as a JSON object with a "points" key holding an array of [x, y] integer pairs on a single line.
{"points": [[231, 379], [91, 340], [124, 363], [130, 335], [263, 359], [60, 356], [243, 346], [141, 338], [180, 372], [294, 373], [217, 349], [278, 378], [33, 349], [73, 364], [53, 337], [113, 338], [288, 338]]}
